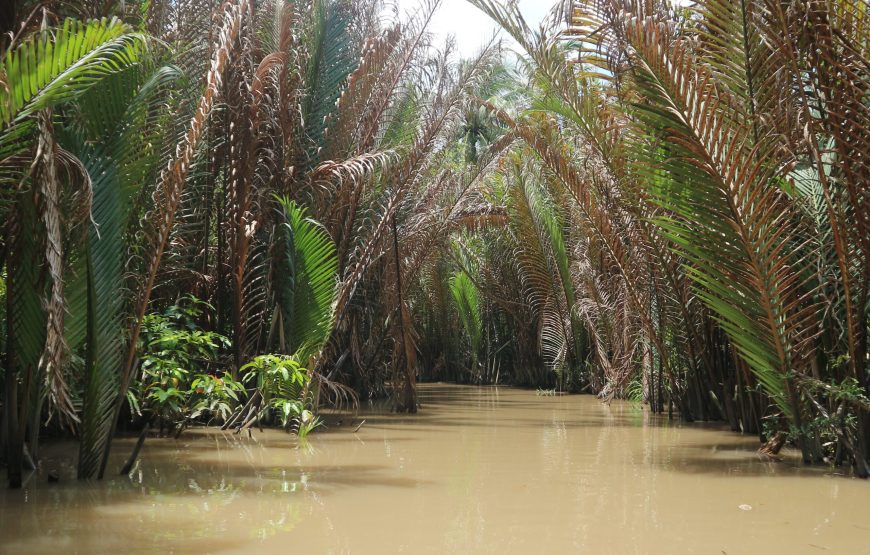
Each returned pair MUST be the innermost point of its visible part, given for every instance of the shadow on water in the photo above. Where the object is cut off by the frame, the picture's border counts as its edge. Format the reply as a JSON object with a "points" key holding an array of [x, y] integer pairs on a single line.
{"points": [[743, 459], [173, 469], [750, 466]]}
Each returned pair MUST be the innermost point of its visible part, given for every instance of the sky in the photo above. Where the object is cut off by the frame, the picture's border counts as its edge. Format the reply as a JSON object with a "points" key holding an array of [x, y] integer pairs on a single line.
{"points": [[472, 28]]}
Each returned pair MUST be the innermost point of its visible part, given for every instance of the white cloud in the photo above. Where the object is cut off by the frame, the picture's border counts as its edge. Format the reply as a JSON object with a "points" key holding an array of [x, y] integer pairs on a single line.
{"points": [[472, 28]]}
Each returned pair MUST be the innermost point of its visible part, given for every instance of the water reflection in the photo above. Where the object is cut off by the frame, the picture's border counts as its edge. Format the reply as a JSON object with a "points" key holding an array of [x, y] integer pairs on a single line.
{"points": [[477, 470]]}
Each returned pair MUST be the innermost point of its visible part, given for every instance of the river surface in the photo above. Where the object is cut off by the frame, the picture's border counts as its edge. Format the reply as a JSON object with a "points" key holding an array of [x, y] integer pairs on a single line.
{"points": [[478, 470]]}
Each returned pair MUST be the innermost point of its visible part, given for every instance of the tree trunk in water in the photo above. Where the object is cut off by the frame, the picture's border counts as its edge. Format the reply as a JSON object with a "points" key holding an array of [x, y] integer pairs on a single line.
{"points": [[128, 466], [14, 437], [772, 446], [862, 456], [862, 464], [408, 401]]}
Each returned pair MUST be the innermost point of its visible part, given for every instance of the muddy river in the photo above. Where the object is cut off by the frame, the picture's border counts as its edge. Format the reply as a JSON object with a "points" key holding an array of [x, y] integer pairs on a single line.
{"points": [[478, 470]]}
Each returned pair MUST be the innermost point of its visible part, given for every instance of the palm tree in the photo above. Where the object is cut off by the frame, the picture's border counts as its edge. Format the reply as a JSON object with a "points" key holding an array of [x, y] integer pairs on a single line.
{"points": [[691, 124], [673, 197], [317, 102], [49, 195]]}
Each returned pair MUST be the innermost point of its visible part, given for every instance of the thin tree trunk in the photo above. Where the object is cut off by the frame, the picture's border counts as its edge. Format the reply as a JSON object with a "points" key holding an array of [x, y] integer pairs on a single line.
{"points": [[14, 437], [128, 466], [408, 402]]}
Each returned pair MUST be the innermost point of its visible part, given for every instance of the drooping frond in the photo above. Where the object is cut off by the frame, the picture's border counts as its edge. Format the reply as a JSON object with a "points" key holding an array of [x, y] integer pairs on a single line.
{"points": [[55, 65]]}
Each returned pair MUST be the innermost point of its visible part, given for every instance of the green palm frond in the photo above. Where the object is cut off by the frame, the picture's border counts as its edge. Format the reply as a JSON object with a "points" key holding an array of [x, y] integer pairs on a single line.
{"points": [[545, 263], [308, 291], [105, 255], [467, 302], [532, 257], [734, 221], [27, 317], [121, 113], [56, 65], [332, 58], [53, 66]]}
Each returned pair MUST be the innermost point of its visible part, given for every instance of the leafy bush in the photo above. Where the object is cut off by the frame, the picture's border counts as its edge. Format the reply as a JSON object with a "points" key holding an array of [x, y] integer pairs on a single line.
{"points": [[213, 396], [176, 384], [282, 382]]}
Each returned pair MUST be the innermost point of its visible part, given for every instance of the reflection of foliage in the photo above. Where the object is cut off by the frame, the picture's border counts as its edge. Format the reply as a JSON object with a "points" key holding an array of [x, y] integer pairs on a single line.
{"points": [[222, 491]]}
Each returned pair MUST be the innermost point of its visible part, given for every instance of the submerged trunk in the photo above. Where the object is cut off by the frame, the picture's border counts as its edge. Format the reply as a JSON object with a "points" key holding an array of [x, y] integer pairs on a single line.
{"points": [[14, 437]]}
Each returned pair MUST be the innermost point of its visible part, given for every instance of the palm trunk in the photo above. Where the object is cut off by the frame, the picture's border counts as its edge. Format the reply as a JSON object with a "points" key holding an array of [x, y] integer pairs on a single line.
{"points": [[14, 437], [408, 401]]}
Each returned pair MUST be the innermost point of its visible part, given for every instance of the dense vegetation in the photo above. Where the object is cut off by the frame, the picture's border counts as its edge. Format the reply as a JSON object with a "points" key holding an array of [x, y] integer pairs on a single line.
{"points": [[237, 212]]}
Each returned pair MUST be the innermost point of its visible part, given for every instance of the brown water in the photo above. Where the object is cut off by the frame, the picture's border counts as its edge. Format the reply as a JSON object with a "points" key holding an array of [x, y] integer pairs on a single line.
{"points": [[482, 470]]}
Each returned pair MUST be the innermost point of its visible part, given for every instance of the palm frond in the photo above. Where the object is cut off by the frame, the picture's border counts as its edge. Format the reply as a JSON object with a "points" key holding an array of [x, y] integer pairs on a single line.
{"points": [[309, 290], [467, 303], [55, 65]]}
